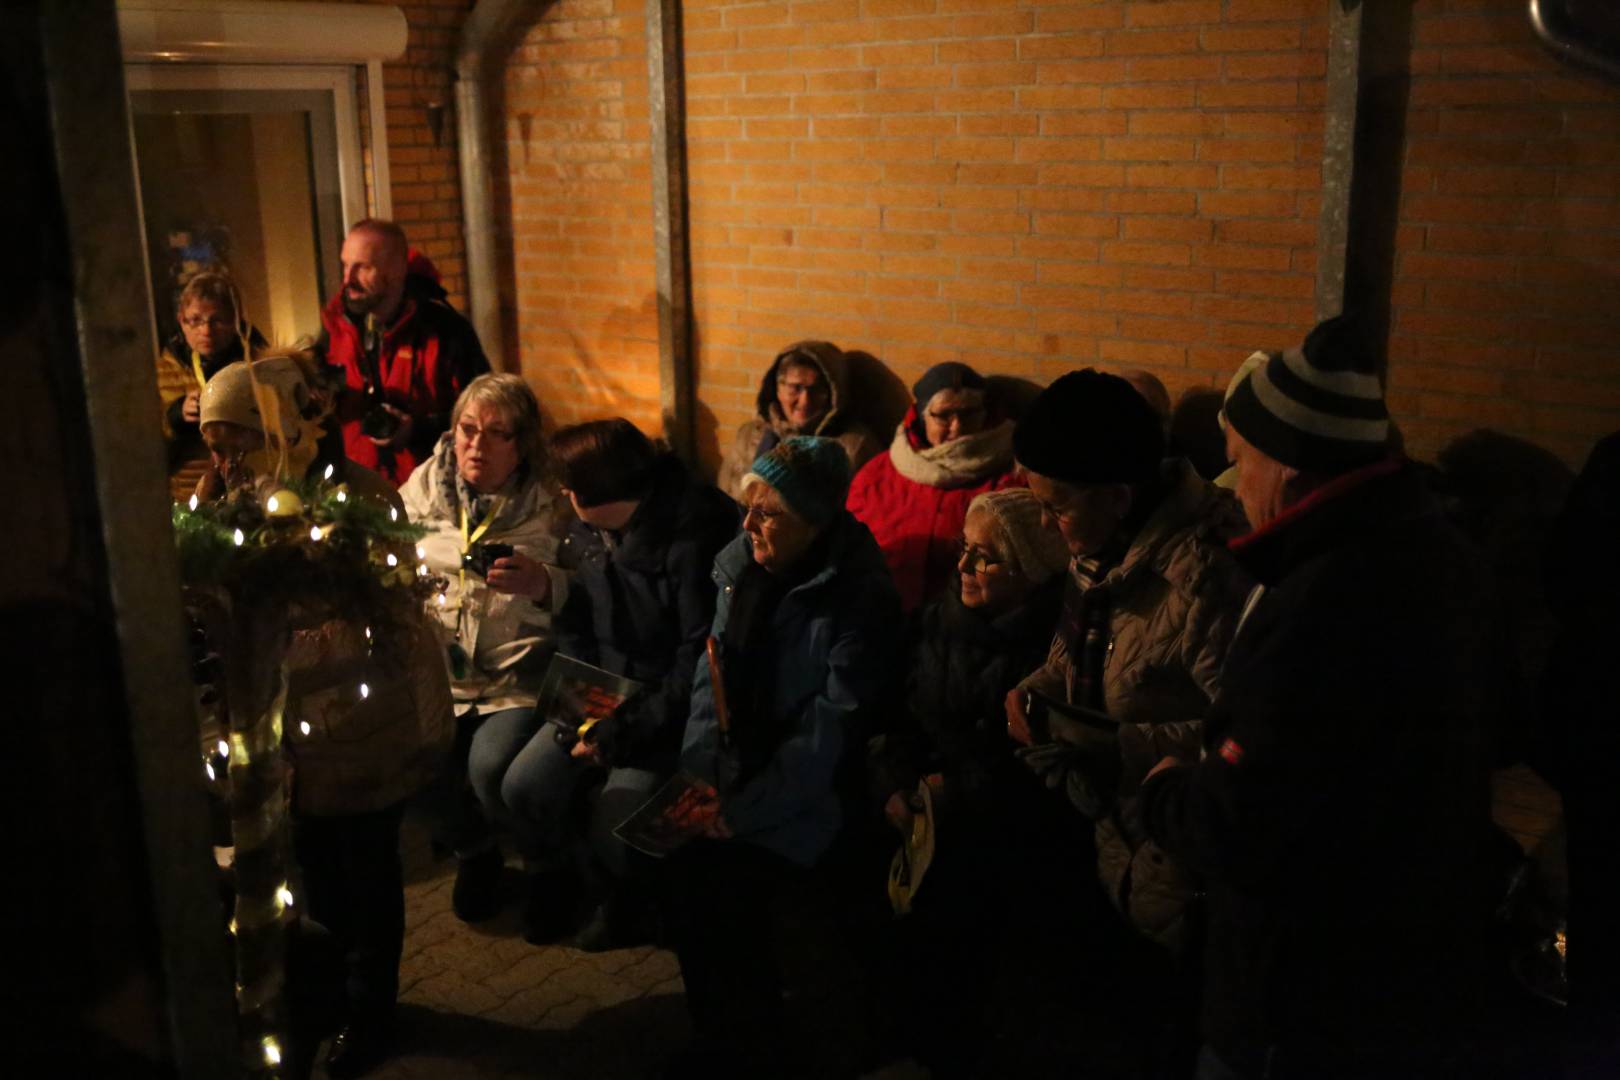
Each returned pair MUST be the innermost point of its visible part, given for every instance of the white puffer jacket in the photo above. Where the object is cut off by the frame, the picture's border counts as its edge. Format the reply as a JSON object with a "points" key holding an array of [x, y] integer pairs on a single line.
{"points": [[507, 639]]}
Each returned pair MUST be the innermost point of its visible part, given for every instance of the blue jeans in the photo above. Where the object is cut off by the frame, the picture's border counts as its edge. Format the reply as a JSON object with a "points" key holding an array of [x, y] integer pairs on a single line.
{"points": [[529, 783]]}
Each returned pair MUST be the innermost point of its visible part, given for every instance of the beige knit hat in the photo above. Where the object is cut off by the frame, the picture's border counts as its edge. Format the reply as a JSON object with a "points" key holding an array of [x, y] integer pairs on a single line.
{"points": [[1037, 552]]}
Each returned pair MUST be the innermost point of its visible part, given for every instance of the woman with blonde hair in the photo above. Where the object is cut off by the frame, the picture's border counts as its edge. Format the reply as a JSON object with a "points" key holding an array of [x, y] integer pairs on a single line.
{"points": [[494, 523]]}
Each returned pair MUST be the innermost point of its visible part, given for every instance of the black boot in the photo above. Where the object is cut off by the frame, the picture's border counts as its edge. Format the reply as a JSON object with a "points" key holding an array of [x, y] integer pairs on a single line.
{"points": [[623, 920], [476, 895], [360, 1047], [550, 911]]}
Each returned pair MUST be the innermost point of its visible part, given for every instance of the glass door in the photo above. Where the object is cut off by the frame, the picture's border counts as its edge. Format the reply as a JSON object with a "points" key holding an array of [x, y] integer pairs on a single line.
{"points": [[254, 171]]}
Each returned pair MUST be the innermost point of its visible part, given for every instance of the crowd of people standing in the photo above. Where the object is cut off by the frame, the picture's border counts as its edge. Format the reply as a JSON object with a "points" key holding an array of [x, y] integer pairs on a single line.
{"points": [[1259, 714]]}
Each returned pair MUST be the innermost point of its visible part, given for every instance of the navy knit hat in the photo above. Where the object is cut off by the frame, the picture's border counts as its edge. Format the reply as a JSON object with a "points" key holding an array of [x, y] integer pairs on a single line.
{"points": [[809, 473], [947, 376], [1318, 408], [1090, 428]]}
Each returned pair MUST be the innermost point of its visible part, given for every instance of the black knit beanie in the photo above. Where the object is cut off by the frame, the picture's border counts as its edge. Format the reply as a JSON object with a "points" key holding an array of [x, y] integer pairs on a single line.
{"points": [[947, 376], [1090, 428], [1318, 408]]}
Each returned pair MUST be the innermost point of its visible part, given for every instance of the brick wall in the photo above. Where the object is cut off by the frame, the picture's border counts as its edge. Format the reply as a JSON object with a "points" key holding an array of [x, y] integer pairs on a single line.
{"points": [[1507, 296], [1024, 188], [426, 184], [1033, 187], [579, 210]]}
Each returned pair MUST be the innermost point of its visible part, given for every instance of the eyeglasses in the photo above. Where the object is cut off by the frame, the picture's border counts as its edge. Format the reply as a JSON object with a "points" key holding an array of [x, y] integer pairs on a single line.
{"points": [[977, 560], [964, 416], [766, 517], [469, 432], [214, 322], [795, 389], [1056, 514]]}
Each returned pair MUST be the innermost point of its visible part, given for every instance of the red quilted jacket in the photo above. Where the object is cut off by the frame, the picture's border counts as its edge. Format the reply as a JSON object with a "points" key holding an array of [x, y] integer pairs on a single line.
{"points": [[914, 498], [429, 356]]}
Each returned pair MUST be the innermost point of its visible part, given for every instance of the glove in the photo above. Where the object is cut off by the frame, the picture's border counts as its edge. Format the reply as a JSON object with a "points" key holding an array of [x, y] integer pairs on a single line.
{"points": [[1088, 778]]}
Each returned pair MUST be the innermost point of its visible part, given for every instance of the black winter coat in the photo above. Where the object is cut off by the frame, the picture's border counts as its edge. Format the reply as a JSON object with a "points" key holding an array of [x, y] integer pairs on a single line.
{"points": [[962, 666], [1341, 812], [642, 607]]}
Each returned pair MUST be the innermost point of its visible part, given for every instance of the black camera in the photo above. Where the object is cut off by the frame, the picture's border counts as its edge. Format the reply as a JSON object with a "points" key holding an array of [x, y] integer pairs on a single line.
{"points": [[378, 423], [480, 557]]}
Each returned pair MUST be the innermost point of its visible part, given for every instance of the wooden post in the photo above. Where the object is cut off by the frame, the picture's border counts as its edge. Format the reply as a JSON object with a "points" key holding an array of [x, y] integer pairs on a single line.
{"points": [[667, 104]]}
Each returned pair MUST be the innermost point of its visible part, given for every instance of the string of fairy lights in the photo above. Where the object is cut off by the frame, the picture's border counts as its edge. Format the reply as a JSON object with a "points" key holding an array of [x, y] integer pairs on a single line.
{"points": [[308, 544]]}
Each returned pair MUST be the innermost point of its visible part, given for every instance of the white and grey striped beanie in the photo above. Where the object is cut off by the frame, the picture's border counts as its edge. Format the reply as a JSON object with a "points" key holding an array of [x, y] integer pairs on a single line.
{"points": [[1318, 408]]}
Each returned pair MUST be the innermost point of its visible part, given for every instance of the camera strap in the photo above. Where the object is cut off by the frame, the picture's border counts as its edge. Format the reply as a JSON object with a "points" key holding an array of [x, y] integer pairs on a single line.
{"points": [[469, 537], [371, 357]]}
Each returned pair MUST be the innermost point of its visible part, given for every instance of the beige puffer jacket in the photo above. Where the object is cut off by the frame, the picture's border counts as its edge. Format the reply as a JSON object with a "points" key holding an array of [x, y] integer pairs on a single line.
{"points": [[858, 441], [508, 638], [1176, 599]]}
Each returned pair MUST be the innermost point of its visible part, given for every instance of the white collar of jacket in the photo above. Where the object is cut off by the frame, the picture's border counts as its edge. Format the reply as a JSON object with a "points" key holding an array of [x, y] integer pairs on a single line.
{"points": [[958, 463]]}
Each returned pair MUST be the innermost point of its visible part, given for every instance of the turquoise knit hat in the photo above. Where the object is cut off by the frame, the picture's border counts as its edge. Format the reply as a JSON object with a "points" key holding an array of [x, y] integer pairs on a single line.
{"points": [[810, 474]]}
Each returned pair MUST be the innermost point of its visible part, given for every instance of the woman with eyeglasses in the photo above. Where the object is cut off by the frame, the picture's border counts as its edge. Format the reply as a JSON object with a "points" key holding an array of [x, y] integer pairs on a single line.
{"points": [[805, 391], [968, 648], [807, 655], [494, 529], [213, 332], [639, 605], [950, 447]]}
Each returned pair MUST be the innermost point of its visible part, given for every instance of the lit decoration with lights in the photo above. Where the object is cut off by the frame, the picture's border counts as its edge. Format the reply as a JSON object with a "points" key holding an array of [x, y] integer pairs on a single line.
{"points": [[256, 564]]}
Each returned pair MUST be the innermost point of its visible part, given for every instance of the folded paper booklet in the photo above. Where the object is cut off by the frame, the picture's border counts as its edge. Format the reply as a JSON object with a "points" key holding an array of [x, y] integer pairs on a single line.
{"points": [[1041, 709], [577, 695], [683, 808], [916, 852]]}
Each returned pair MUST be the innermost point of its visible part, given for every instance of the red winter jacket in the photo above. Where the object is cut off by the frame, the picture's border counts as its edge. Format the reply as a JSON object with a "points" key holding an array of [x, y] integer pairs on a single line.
{"points": [[427, 358], [914, 498]]}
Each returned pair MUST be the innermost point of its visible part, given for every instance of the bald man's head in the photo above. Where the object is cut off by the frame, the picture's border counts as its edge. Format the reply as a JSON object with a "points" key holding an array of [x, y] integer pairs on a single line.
{"points": [[374, 257]]}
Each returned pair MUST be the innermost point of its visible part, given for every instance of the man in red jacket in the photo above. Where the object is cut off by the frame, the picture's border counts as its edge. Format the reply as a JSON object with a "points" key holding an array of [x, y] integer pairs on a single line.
{"points": [[403, 352]]}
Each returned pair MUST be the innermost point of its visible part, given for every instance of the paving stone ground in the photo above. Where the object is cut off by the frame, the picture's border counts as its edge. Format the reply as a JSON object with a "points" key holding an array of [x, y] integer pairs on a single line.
{"points": [[479, 1001]]}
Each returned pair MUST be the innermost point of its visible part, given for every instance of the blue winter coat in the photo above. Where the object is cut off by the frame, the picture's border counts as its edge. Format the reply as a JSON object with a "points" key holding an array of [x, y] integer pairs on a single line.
{"points": [[836, 671]]}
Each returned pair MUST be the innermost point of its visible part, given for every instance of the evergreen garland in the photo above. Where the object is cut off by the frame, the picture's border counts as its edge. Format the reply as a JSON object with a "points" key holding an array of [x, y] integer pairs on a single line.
{"points": [[309, 544]]}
